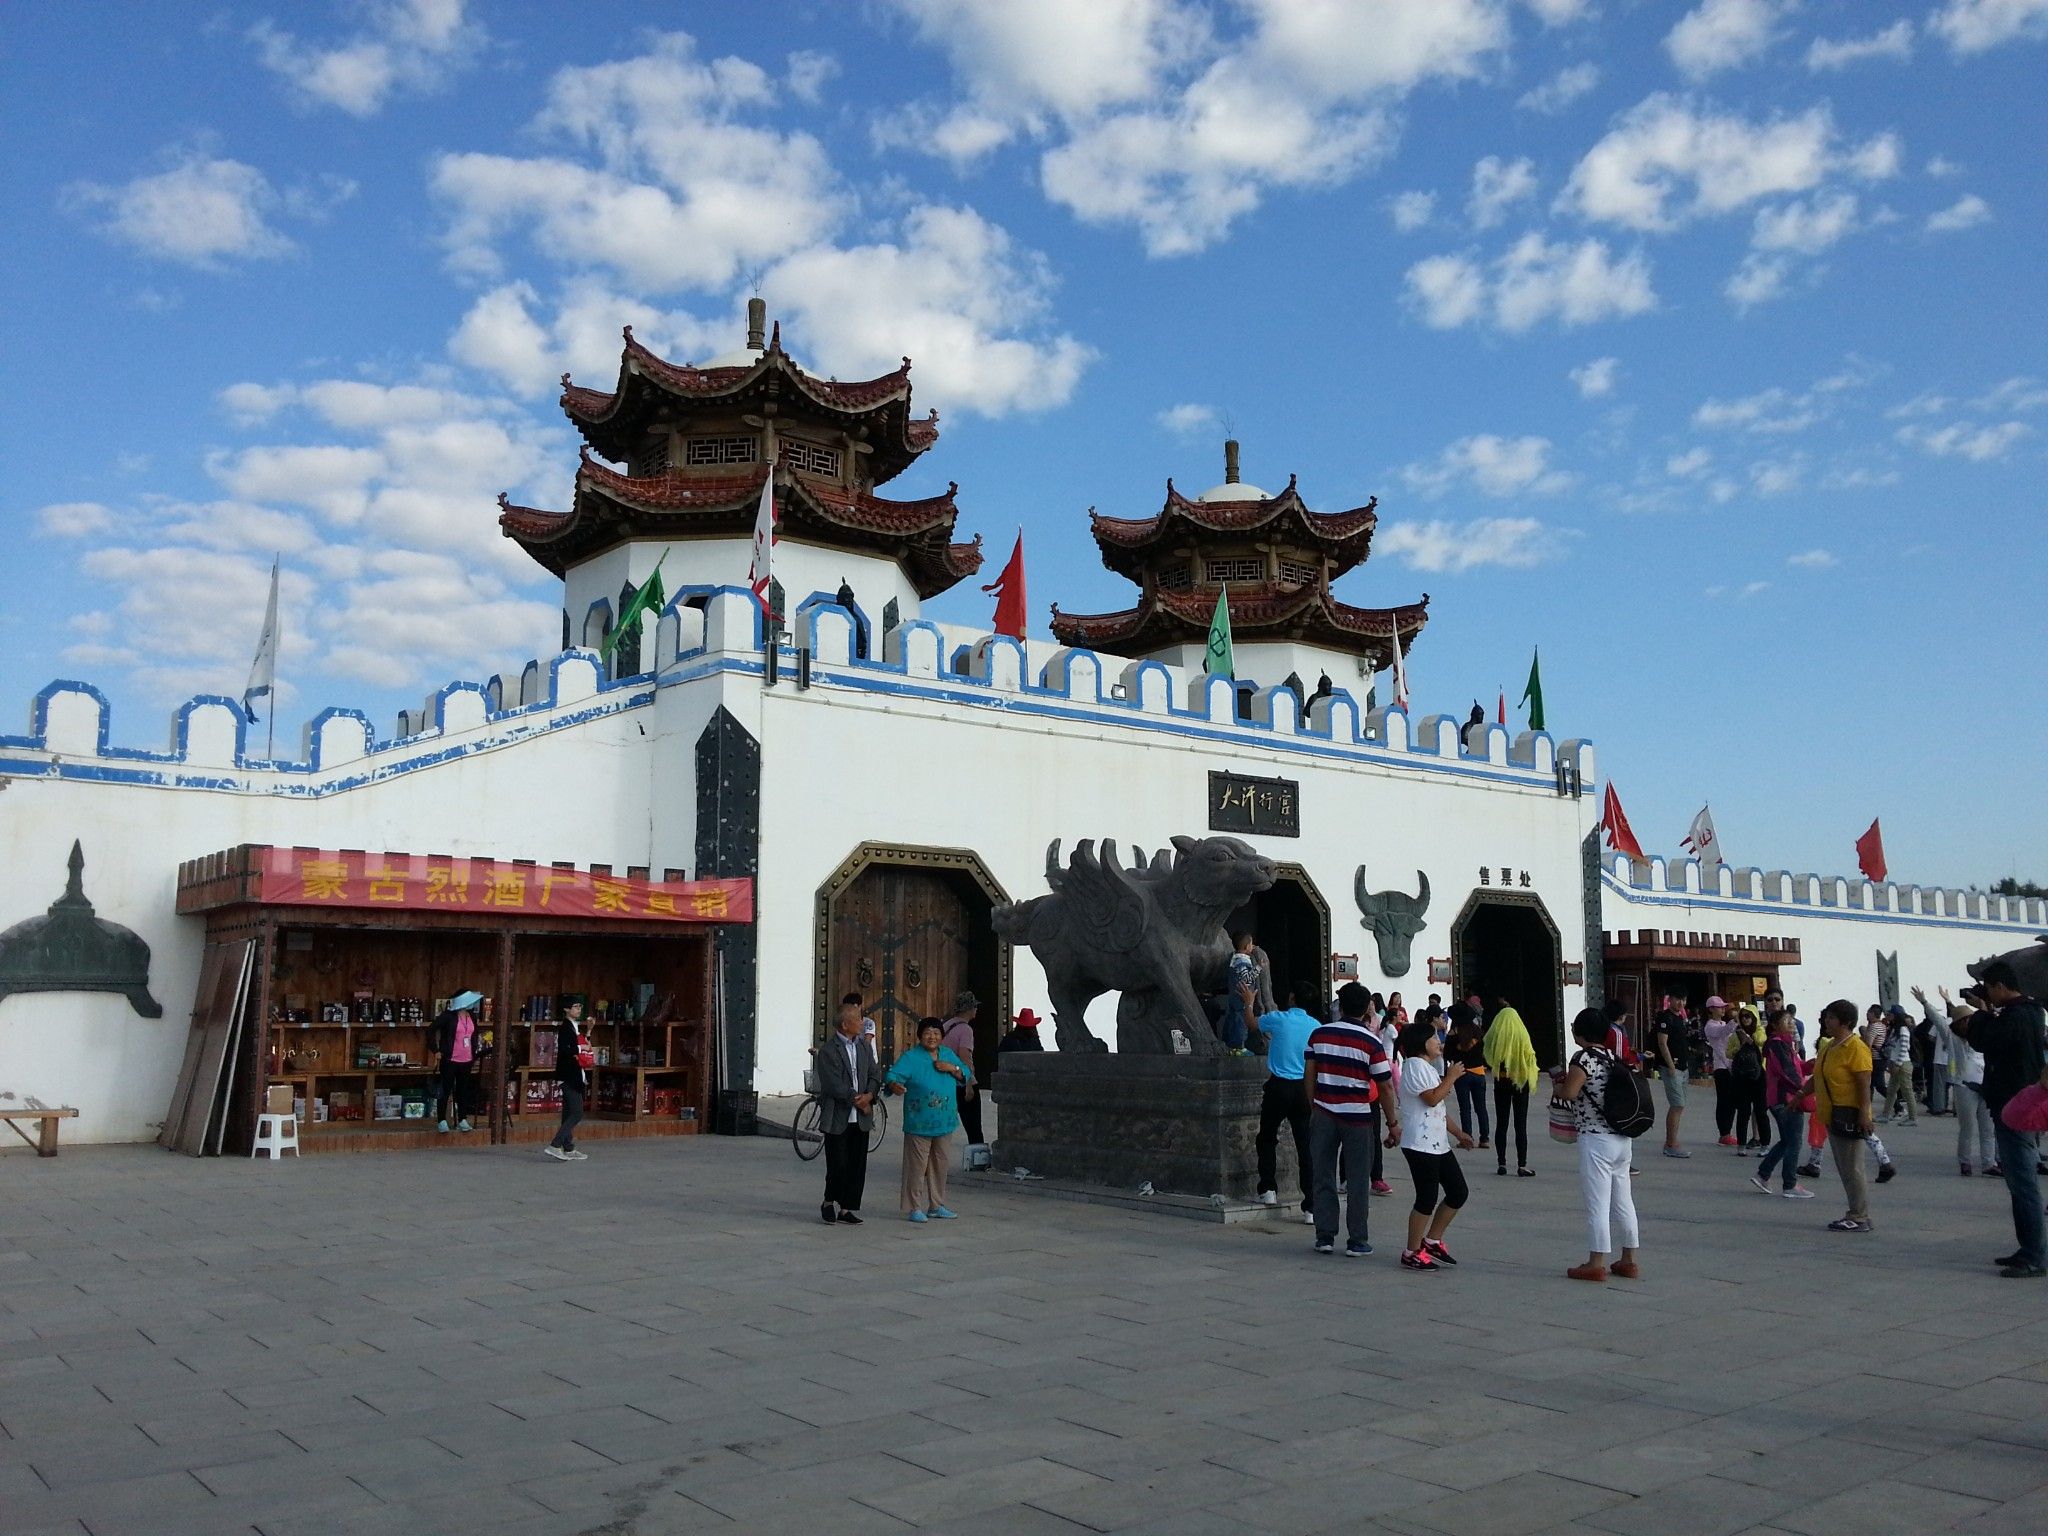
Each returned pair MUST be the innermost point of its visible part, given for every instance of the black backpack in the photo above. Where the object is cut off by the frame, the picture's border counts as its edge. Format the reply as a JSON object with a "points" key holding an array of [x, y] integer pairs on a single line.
{"points": [[1626, 1104], [1748, 1062]]}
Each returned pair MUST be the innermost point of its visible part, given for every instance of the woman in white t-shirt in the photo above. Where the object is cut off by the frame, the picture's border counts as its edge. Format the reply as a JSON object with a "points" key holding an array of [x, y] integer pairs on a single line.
{"points": [[1426, 1135]]}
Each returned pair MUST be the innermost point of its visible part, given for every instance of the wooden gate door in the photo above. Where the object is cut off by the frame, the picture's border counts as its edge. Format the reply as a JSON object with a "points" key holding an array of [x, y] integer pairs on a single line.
{"points": [[899, 938]]}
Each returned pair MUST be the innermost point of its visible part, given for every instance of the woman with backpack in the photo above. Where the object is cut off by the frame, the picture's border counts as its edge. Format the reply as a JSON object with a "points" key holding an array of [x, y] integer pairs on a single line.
{"points": [[1603, 1152]]}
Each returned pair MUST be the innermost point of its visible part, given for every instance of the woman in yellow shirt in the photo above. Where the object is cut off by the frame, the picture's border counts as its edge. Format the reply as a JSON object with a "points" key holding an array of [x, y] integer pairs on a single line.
{"points": [[1841, 1088]]}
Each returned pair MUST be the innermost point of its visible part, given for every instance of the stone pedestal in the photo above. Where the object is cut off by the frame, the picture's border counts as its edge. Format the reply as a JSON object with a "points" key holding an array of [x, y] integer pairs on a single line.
{"points": [[1185, 1124]]}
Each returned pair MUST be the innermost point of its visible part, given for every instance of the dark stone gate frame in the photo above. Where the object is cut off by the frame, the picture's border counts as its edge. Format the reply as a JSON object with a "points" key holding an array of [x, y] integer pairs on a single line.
{"points": [[871, 855], [1303, 881], [1483, 896]]}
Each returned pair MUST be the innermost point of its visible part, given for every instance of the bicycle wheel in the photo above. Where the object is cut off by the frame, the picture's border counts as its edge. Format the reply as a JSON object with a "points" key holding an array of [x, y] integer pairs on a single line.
{"points": [[879, 1125], [807, 1129]]}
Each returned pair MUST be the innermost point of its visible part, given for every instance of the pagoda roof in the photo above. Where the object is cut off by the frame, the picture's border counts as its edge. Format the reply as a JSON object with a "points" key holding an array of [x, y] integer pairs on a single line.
{"points": [[1128, 545], [610, 507], [1269, 610], [651, 388]]}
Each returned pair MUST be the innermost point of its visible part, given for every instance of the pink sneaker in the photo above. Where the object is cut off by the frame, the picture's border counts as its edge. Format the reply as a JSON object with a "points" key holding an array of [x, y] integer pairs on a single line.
{"points": [[1382, 1187]]}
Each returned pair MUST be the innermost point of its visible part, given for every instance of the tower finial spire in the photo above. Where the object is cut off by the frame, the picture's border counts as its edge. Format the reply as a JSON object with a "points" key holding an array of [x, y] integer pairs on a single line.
{"points": [[757, 323], [1230, 461]]}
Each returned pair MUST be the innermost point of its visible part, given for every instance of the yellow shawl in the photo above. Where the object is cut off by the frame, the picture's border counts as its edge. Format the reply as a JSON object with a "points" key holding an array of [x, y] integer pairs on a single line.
{"points": [[1510, 1054]]}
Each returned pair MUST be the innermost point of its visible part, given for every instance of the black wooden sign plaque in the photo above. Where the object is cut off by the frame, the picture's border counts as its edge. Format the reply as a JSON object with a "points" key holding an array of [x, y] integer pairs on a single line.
{"points": [[1240, 803]]}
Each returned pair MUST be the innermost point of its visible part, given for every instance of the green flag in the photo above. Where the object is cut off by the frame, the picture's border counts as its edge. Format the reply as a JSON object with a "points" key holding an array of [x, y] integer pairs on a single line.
{"points": [[1533, 694], [1219, 662], [648, 599]]}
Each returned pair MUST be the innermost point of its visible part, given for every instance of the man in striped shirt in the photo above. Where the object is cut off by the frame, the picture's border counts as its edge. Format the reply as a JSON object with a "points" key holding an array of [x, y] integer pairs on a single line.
{"points": [[1349, 1079]]}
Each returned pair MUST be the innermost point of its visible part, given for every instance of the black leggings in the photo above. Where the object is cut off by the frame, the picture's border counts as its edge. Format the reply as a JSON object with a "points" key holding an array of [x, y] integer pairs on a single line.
{"points": [[454, 1090], [1431, 1169], [1510, 1100], [1752, 1118], [1724, 1101]]}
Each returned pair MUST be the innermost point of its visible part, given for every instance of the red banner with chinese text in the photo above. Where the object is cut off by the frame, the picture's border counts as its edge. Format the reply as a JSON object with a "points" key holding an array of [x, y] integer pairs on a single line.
{"points": [[307, 877]]}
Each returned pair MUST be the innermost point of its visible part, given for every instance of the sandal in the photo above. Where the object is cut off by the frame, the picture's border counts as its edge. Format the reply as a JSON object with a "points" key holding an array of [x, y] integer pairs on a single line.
{"points": [[1525, 1173]]}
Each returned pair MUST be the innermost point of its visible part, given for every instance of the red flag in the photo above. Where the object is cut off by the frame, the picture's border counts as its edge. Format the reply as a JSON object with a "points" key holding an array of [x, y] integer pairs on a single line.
{"points": [[1870, 853], [1500, 713], [1620, 836], [1009, 590]]}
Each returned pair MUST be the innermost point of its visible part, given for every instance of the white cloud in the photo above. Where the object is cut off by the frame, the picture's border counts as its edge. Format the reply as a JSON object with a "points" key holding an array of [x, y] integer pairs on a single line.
{"points": [[1497, 185], [1722, 491], [1971, 26], [73, 519], [1770, 412], [1491, 465], [1893, 42], [1688, 465], [1808, 226], [1966, 212], [201, 211], [1776, 477], [1941, 166], [953, 291], [1561, 89], [1666, 163], [960, 135], [682, 193], [2015, 394], [1187, 420], [1757, 280], [1154, 119], [1812, 560], [1533, 281], [808, 73], [410, 45], [1411, 210], [1441, 545], [1858, 478], [1596, 378], [1721, 34], [1557, 13], [1964, 440]]}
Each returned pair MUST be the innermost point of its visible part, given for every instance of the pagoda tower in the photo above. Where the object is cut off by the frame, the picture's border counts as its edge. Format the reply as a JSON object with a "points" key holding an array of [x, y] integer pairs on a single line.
{"points": [[1277, 560], [695, 444]]}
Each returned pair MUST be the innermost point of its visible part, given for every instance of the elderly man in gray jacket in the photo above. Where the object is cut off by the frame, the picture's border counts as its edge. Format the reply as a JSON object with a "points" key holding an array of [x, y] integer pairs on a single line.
{"points": [[849, 1077]]}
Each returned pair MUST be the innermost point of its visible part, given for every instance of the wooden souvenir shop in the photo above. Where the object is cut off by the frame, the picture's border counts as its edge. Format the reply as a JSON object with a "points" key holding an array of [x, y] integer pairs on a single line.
{"points": [[324, 973], [1643, 966]]}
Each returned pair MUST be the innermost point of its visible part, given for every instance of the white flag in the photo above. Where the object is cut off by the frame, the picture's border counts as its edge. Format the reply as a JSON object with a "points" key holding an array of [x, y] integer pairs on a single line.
{"points": [[765, 538], [263, 670], [1400, 671], [1703, 841]]}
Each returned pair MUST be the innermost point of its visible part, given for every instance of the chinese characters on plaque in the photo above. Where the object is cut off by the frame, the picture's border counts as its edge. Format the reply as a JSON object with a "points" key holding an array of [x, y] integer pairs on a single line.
{"points": [[306, 877], [1507, 876], [1238, 803]]}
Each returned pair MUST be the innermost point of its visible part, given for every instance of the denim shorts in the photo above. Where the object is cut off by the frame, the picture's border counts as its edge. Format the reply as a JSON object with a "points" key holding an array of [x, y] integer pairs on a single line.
{"points": [[1674, 1090]]}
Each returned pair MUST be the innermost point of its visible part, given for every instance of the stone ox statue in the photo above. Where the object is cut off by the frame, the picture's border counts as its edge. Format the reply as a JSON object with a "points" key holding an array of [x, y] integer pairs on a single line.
{"points": [[2031, 965], [1394, 917], [1153, 932]]}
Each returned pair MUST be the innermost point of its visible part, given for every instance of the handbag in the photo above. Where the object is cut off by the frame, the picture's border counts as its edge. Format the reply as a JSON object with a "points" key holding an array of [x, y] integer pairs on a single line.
{"points": [[1564, 1119], [1845, 1120], [2027, 1110]]}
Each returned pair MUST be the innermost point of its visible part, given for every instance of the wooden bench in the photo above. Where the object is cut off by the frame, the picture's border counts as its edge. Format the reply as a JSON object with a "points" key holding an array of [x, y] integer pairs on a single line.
{"points": [[45, 1143]]}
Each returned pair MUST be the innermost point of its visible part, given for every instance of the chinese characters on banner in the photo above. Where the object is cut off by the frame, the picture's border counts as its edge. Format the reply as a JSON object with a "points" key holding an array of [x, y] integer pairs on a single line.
{"points": [[1238, 803], [307, 877]]}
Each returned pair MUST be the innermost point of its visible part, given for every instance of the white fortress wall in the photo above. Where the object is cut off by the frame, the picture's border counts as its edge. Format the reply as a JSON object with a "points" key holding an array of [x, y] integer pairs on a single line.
{"points": [[1842, 924]]}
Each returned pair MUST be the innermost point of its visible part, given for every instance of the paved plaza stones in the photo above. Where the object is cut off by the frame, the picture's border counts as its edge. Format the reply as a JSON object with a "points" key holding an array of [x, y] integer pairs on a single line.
{"points": [[665, 1339]]}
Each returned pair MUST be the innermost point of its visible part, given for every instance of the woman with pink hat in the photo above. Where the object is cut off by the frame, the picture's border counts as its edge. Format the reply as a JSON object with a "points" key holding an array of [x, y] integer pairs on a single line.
{"points": [[1717, 1030]]}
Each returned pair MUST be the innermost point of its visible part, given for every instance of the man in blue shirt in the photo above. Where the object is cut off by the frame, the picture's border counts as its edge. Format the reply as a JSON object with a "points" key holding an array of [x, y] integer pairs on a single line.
{"points": [[1286, 1098]]}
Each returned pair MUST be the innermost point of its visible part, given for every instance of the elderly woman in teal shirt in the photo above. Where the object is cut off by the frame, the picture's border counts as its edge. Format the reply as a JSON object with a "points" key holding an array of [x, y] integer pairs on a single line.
{"points": [[928, 1076]]}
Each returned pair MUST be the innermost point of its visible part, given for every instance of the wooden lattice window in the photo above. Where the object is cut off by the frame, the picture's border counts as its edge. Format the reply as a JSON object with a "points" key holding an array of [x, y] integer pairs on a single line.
{"points": [[1177, 578], [1243, 568], [653, 457], [1296, 573], [699, 452], [811, 458]]}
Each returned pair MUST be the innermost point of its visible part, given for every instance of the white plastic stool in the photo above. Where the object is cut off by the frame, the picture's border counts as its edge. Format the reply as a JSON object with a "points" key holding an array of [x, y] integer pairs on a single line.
{"points": [[276, 1134]]}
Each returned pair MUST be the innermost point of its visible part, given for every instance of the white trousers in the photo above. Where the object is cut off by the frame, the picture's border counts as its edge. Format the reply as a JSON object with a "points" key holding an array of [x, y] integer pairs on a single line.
{"points": [[1603, 1179]]}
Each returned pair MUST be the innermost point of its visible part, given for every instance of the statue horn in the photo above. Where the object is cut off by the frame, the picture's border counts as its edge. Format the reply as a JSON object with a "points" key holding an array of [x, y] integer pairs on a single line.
{"points": [[1358, 890], [1422, 900], [1052, 861]]}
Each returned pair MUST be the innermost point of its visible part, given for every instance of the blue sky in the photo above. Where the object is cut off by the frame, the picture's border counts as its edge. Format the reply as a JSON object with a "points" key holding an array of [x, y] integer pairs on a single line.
{"points": [[1701, 345]]}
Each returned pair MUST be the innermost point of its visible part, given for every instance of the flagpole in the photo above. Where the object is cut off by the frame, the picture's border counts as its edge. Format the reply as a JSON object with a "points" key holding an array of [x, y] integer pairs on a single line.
{"points": [[270, 731]]}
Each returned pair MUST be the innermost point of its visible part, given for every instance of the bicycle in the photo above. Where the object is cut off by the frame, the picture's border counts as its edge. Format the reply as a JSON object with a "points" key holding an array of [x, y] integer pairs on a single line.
{"points": [[806, 1126]]}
